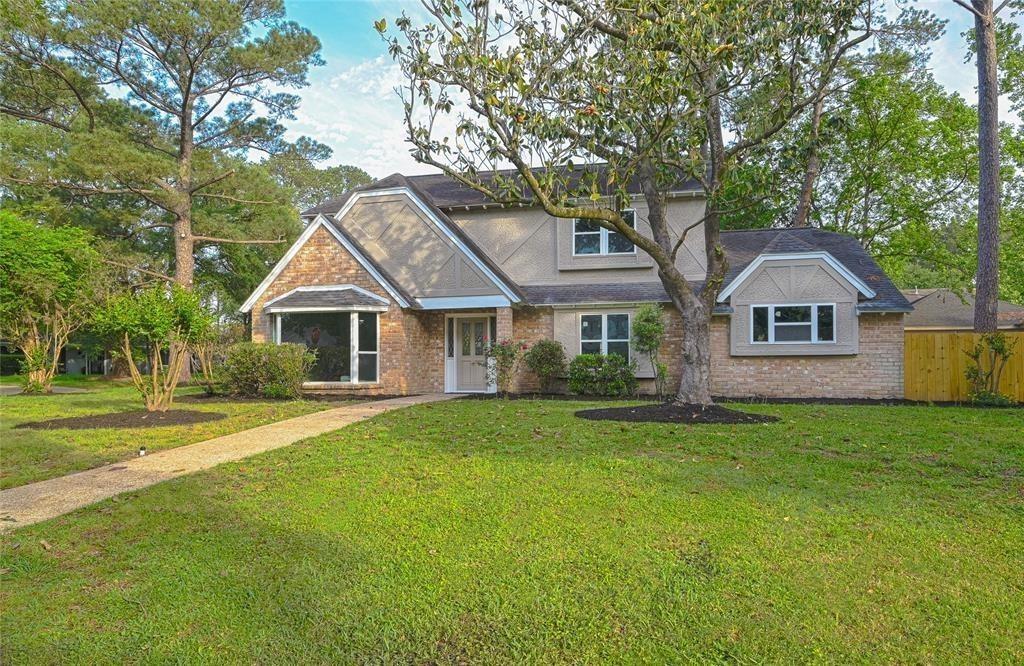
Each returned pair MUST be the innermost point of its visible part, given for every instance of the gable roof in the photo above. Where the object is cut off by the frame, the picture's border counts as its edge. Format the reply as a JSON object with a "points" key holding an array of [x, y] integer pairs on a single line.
{"points": [[320, 298], [397, 183], [943, 308], [386, 282], [445, 193], [744, 247]]}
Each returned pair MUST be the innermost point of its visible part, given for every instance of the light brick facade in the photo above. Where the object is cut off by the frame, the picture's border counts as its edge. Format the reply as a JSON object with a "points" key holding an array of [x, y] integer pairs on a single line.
{"points": [[411, 342], [876, 371]]}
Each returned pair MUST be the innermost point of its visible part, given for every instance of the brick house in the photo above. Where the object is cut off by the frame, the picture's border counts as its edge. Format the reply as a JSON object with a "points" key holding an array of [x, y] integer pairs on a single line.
{"points": [[401, 284]]}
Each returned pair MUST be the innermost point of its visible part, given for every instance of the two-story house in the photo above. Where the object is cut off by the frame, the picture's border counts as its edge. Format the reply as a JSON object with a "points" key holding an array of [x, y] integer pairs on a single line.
{"points": [[400, 286]]}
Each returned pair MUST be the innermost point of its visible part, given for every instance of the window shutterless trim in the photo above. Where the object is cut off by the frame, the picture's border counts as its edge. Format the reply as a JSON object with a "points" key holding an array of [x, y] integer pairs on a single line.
{"points": [[603, 244], [813, 323], [354, 350], [604, 332]]}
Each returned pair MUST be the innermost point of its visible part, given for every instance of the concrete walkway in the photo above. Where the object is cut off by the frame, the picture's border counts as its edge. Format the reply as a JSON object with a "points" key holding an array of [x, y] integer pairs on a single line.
{"points": [[35, 502]]}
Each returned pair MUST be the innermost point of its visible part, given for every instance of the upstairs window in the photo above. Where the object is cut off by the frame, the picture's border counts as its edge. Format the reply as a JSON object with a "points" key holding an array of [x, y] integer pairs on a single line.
{"points": [[590, 238], [792, 324], [605, 334]]}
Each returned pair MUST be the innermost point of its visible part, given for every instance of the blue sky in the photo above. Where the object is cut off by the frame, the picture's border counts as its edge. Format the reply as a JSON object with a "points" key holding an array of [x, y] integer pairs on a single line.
{"points": [[351, 106]]}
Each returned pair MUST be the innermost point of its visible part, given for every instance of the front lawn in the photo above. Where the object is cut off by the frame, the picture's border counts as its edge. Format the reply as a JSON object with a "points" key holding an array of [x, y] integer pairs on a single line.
{"points": [[494, 532], [33, 455]]}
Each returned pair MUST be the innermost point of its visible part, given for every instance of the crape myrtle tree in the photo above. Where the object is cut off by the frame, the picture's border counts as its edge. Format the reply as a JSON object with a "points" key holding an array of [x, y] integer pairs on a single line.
{"points": [[658, 91], [157, 101], [50, 281]]}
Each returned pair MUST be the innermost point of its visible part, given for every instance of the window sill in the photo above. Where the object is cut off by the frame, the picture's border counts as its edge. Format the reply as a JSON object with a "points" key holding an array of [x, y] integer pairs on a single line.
{"points": [[338, 386]]}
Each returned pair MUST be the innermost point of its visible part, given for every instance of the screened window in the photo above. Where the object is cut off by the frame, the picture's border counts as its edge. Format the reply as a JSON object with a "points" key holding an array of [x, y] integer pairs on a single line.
{"points": [[345, 343], [590, 238], [782, 324], [605, 334]]}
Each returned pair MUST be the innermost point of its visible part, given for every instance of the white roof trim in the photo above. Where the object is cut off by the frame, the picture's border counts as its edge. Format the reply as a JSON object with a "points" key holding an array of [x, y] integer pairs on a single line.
{"points": [[834, 263], [318, 222], [327, 287], [440, 225], [463, 302], [330, 308]]}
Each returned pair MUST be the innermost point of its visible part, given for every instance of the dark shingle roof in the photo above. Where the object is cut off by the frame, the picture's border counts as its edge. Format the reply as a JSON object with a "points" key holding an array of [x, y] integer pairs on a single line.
{"points": [[742, 247], [942, 308], [439, 192], [445, 193], [618, 292], [333, 297]]}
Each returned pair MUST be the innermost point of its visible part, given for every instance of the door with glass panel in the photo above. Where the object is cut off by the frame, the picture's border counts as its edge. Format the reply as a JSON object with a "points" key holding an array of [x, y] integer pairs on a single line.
{"points": [[470, 345]]}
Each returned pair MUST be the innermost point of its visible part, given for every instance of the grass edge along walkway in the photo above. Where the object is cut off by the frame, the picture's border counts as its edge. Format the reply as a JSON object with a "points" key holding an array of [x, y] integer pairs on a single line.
{"points": [[42, 500]]}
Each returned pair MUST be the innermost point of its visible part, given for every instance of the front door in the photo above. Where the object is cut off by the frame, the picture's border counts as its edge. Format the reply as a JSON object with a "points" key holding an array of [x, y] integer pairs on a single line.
{"points": [[471, 368]]}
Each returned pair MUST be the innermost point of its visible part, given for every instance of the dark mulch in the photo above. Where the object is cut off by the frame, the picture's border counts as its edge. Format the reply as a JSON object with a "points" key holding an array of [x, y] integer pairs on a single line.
{"points": [[136, 419], [863, 401], [200, 398], [554, 396], [668, 412]]}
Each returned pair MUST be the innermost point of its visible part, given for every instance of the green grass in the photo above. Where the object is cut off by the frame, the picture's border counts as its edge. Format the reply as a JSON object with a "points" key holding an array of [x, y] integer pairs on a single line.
{"points": [[33, 455], [497, 532]]}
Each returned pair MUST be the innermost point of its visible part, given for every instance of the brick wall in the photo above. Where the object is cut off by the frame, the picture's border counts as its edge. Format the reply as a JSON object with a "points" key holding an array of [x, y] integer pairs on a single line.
{"points": [[529, 325], [411, 342], [875, 372]]}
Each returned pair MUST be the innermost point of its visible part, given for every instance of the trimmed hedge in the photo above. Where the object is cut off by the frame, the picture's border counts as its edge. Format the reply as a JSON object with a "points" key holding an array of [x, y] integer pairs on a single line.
{"points": [[597, 374], [546, 358], [267, 370]]}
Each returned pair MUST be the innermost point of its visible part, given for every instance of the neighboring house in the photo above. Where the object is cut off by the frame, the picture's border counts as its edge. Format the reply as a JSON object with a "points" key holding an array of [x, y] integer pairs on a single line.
{"points": [[945, 310], [401, 284]]}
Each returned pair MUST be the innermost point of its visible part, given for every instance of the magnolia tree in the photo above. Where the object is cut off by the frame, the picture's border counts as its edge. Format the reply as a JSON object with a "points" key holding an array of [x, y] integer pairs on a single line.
{"points": [[658, 91], [160, 325], [49, 281]]}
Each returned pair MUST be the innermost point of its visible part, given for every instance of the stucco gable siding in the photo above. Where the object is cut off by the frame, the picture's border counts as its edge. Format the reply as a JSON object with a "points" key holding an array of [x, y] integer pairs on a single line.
{"points": [[400, 237], [533, 248], [793, 282]]}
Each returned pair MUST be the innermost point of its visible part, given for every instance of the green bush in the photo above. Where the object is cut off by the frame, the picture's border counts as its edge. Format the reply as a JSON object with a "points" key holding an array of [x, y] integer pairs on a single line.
{"points": [[267, 370], [597, 374], [546, 359]]}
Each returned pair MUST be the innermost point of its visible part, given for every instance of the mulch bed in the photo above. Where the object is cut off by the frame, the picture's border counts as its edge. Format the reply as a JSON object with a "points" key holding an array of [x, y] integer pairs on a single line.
{"points": [[135, 419], [668, 412], [555, 396], [200, 398]]}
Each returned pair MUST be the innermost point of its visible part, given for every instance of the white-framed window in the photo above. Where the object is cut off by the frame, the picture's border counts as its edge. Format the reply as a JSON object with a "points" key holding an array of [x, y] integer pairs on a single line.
{"points": [[793, 324], [347, 343], [590, 238], [606, 333]]}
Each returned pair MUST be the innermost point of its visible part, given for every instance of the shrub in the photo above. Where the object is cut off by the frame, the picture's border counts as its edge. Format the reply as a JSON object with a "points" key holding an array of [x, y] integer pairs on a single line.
{"points": [[597, 374], [267, 370], [502, 359], [546, 359], [988, 359], [648, 334]]}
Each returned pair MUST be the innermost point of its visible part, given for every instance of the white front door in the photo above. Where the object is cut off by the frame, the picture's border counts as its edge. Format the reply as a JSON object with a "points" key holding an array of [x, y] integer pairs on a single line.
{"points": [[471, 362]]}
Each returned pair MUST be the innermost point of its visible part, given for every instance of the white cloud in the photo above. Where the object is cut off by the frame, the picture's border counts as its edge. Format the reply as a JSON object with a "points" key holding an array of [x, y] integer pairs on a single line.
{"points": [[359, 115]]}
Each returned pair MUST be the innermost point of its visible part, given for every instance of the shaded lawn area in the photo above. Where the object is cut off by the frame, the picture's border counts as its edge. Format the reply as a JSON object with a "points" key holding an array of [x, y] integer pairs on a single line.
{"points": [[494, 531], [33, 455]]}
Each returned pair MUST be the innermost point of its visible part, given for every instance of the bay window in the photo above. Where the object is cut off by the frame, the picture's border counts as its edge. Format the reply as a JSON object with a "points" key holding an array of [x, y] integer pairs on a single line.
{"points": [[346, 343], [792, 324]]}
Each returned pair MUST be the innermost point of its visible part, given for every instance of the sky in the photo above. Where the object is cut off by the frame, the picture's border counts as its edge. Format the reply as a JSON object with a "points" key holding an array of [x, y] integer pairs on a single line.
{"points": [[351, 104]]}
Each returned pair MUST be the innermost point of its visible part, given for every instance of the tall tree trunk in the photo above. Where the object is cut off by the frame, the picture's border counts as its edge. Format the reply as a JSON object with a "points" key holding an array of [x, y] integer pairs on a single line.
{"points": [[184, 241], [813, 168], [987, 279], [695, 382]]}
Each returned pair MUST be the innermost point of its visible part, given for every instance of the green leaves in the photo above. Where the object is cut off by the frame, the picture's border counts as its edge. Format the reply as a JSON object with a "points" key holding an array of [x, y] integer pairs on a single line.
{"points": [[157, 316]]}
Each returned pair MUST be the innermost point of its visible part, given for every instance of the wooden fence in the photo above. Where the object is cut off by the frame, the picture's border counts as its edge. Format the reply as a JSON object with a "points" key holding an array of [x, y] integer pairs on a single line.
{"points": [[935, 364]]}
